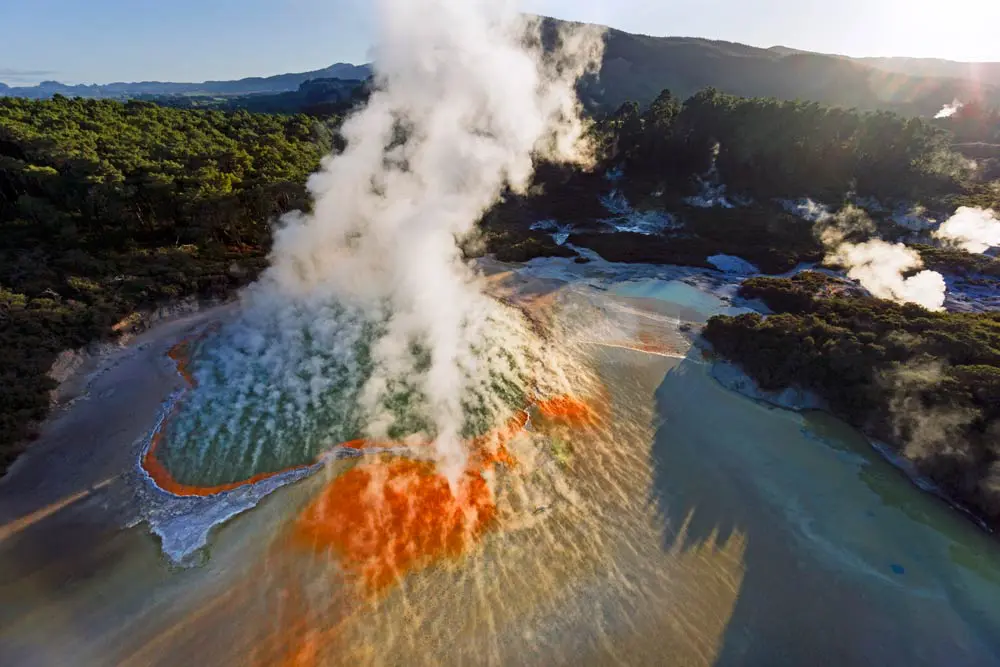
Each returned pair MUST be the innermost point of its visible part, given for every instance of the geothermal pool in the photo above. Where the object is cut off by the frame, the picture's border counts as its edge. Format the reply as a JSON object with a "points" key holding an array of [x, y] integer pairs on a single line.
{"points": [[650, 517]]}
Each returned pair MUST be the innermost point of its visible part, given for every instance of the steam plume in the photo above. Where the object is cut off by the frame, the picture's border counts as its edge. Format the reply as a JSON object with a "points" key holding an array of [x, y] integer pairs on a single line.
{"points": [[974, 230], [925, 432], [949, 110], [465, 98], [880, 266]]}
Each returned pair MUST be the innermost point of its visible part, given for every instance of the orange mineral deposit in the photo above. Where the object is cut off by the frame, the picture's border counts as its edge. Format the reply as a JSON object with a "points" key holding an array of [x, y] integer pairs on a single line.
{"points": [[181, 355], [388, 517], [568, 411]]}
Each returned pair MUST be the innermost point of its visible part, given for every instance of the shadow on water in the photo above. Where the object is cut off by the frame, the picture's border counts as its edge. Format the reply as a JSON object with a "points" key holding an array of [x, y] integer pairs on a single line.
{"points": [[43, 568], [706, 500], [820, 585], [690, 494]]}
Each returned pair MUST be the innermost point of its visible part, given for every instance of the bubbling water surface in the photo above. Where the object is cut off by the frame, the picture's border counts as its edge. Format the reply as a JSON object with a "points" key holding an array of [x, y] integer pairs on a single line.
{"points": [[270, 392]]}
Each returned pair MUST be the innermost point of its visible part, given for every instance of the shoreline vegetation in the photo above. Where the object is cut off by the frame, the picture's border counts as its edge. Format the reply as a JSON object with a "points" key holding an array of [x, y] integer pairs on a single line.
{"points": [[108, 209], [731, 376], [927, 384]]}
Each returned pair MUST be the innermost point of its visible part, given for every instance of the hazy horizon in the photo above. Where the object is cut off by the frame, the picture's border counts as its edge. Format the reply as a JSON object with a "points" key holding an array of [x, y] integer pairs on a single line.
{"points": [[108, 41]]}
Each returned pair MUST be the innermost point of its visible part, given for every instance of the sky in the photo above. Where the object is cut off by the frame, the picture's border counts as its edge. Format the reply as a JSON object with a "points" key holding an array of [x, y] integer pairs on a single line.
{"points": [[100, 41]]}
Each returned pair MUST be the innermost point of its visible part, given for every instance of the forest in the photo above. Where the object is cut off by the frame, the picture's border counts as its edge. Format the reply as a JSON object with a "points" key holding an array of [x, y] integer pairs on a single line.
{"points": [[926, 383], [769, 148], [763, 150], [107, 208]]}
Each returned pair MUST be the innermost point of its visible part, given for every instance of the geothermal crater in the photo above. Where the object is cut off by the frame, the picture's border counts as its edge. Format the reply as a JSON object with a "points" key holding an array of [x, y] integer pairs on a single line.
{"points": [[264, 398], [265, 404]]}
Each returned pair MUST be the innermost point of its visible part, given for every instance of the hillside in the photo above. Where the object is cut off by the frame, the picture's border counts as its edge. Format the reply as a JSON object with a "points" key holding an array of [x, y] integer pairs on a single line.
{"points": [[316, 97], [269, 84], [638, 67], [987, 73]]}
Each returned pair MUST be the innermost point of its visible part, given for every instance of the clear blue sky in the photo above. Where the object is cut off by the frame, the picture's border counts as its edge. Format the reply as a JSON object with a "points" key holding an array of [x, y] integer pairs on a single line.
{"points": [[192, 40]]}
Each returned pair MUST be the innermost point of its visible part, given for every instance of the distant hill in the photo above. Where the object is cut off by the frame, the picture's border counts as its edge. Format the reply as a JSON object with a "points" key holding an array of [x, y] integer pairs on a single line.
{"points": [[988, 73], [315, 97], [279, 83], [638, 67]]}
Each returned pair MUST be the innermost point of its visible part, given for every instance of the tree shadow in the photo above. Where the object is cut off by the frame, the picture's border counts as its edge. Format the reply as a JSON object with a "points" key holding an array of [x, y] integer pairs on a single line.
{"points": [[43, 568], [805, 596], [690, 493]]}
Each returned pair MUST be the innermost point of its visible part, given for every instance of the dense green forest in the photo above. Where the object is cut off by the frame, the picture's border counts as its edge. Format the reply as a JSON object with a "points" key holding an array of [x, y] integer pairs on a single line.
{"points": [[108, 207], [769, 148], [929, 383]]}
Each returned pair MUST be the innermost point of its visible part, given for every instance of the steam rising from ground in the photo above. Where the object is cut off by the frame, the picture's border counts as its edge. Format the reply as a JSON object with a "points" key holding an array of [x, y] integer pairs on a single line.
{"points": [[926, 432], [465, 98], [807, 209], [974, 230], [935, 433], [949, 110], [879, 266]]}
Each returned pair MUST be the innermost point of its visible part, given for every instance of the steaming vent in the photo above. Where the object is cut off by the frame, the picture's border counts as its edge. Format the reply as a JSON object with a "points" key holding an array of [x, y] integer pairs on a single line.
{"points": [[272, 392], [368, 323]]}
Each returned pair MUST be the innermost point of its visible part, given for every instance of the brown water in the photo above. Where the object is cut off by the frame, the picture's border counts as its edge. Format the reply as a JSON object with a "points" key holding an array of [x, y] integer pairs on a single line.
{"points": [[688, 526]]}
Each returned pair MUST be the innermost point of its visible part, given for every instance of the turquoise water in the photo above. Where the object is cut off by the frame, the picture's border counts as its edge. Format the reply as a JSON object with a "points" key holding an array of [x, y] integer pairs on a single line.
{"points": [[275, 389], [688, 525], [846, 558], [696, 526], [678, 298]]}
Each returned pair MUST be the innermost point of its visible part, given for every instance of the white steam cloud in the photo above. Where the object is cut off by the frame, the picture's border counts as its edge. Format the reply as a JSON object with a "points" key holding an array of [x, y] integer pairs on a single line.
{"points": [[949, 110], [465, 100], [926, 432], [974, 230], [880, 266]]}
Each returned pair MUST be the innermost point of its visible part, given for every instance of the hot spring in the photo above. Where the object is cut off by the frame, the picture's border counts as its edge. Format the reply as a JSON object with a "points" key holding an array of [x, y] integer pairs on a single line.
{"points": [[266, 396], [619, 506], [547, 475]]}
